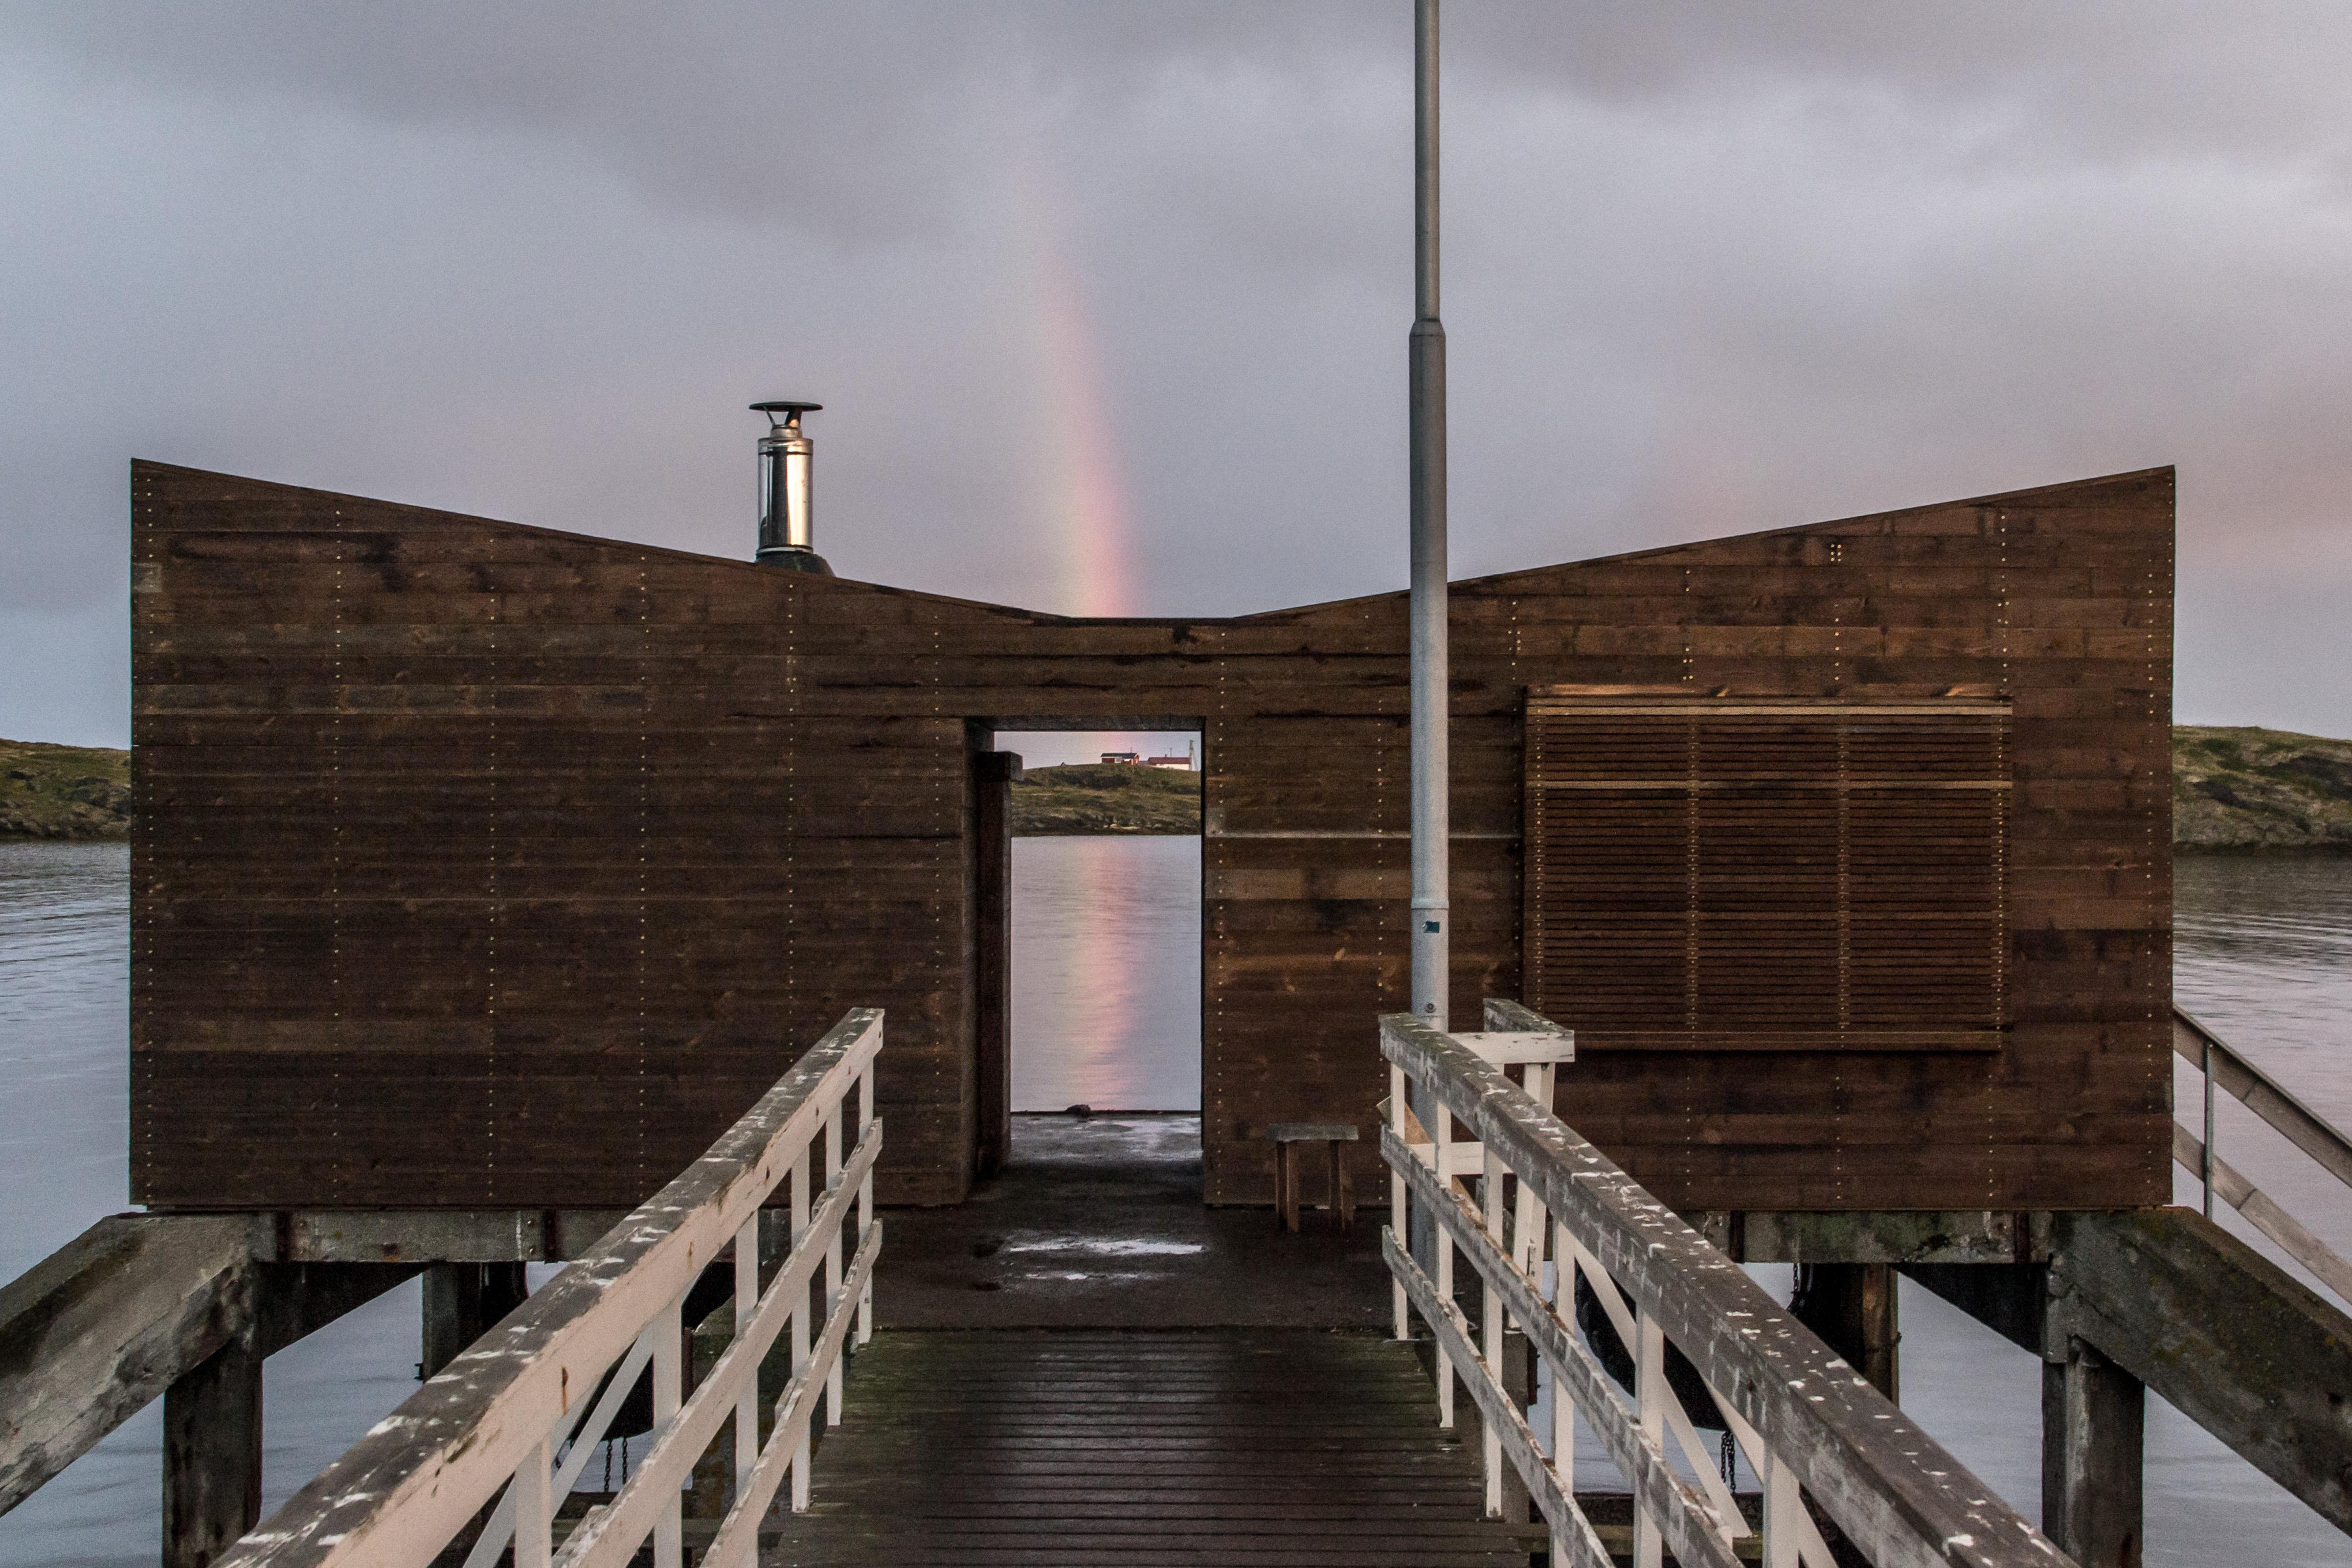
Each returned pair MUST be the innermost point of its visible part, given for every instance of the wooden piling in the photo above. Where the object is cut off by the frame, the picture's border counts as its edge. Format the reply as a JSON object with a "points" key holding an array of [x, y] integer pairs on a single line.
{"points": [[212, 1456], [1853, 1306], [462, 1301], [2092, 1420]]}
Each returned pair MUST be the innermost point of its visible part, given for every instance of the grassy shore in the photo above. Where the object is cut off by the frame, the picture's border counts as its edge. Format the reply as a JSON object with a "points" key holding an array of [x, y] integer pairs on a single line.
{"points": [[1106, 797], [63, 791]]}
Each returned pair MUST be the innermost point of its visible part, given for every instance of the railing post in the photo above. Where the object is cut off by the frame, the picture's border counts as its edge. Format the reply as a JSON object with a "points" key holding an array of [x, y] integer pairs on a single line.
{"points": [[1400, 1200], [1782, 1503], [2207, 1174], [864, 1201], [1649, 1396], [833, 1256], [1528, 1245], [1441, 1142], [800, 1323], [747, 1305], [1490, 1324], [532, 1508], [670, 1353], [1564, 1408]]}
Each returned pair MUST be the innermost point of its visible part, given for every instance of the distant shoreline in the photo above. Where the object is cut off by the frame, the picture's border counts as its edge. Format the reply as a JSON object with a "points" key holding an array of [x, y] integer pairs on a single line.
{"points": [[2248, 791], [1105, 799], [2235, 790]]}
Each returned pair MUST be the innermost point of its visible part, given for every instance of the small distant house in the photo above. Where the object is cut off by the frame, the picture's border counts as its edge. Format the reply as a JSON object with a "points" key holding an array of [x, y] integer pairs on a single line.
{"points": [[1131, 757], [1182, 763]]}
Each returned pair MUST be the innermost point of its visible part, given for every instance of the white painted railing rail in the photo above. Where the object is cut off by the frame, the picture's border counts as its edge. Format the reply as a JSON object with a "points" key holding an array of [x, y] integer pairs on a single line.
{"points": [[1805, 1419], [2224, 1068], [510, 1418]]}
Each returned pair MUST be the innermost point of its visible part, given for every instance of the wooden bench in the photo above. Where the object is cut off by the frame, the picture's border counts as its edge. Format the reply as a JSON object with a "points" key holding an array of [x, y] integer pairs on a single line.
{"points": [[1286, 1137]]}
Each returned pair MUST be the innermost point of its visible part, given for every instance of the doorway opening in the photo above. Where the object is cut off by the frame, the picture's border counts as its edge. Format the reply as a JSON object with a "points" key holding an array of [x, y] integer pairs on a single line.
{"points": [[1102, 1002]]}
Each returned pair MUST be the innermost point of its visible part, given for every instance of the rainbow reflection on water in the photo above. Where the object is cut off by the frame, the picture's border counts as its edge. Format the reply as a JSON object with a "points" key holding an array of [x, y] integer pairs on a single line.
{"points": [[1107, 973]]}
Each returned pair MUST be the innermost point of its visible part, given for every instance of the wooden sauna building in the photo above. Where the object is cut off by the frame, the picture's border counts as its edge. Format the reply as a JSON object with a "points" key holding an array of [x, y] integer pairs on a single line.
{"points": [[491, 868]]}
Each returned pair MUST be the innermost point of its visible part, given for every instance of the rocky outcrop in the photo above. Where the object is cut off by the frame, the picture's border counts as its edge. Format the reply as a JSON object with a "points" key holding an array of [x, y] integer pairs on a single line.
{"points": [[63, 791], [2247, 788]]}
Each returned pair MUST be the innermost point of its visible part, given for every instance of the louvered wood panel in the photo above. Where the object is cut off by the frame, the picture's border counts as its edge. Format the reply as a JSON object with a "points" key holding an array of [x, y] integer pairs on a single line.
{"points": [[1719, 875]]}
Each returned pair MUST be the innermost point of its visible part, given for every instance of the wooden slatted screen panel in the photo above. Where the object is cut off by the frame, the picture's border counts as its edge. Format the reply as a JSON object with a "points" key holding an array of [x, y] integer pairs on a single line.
{"points": [[1767, 874]]}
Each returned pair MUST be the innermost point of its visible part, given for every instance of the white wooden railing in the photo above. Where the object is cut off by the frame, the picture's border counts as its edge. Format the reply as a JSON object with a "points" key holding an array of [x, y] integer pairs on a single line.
{"points": [[2224, 1068], [1509, 1186], [510, 1419]]}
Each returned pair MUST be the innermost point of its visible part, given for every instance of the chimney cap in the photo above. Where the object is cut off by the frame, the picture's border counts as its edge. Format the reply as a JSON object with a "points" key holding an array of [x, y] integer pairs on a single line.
{"points": [[791, 411]]}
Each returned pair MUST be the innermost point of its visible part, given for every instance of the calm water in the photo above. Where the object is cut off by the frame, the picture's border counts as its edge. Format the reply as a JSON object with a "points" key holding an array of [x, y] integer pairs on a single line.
{"points": [[2262, 955], [64, 1027], [1107, 973], [1107, 1011]]}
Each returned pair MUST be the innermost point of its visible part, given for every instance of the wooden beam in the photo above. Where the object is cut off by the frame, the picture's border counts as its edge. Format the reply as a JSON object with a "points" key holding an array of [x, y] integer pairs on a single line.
{"points": [[296, 1300], [107, 1323], [439, 1235], [1869, 1236], [2093, 1417], [2008, 1298], [135, 1306], [2223, 1334], [212, 1456]]}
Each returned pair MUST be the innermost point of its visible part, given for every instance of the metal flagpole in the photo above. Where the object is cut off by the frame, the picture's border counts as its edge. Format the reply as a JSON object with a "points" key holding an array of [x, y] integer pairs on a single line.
{"points": [[1432, 916]]}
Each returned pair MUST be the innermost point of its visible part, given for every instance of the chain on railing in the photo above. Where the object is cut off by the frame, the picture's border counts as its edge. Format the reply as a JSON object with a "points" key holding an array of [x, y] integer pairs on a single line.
{"points": [[1804, 1419], [510, 1418], [2224, 1068]]}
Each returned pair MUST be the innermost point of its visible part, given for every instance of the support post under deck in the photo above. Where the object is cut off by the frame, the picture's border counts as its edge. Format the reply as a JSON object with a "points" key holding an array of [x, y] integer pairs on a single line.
{"points": [[461, 1301], [212, 1456], [1853, 1306], [2094, 1416]]}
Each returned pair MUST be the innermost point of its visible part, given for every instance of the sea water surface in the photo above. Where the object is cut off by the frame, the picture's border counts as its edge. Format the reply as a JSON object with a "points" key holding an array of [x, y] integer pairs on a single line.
{"points": [[1107, 973], [1107, 1008]]}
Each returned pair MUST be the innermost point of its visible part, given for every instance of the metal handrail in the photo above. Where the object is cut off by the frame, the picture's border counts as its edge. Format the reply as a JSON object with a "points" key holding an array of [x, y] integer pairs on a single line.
{"points": [[1802, 1415], [2224, 1068], [493, 1422]]}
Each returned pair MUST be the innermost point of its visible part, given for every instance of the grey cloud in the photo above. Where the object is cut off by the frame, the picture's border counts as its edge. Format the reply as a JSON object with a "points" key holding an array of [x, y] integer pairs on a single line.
{"points": [[1710, 267]]}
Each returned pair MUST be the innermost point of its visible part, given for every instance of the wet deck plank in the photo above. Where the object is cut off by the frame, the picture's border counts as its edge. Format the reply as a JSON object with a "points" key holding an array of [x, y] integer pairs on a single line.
{"points": [[1287, 1448]]}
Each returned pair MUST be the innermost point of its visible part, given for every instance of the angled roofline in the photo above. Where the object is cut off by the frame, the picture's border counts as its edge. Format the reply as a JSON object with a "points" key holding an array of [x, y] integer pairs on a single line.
{"points": [[1047, 617]]}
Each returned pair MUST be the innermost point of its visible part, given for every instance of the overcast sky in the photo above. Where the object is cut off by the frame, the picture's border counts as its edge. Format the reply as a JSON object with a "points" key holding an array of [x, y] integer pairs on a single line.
{"points": [[1108, 302]]}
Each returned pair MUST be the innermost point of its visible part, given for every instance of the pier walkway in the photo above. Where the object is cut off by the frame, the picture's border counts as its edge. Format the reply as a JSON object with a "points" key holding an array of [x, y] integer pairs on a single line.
{"points": [[1202, 1447], [1086, 1363]]}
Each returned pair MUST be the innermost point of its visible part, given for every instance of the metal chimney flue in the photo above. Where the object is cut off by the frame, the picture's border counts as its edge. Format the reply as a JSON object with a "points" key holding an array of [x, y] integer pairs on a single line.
{"points": [[785, 535]]}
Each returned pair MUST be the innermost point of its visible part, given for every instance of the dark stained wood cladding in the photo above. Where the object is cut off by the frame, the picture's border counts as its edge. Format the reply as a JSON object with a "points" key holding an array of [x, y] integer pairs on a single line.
{"points": [[482, 865], [1710, 874]]}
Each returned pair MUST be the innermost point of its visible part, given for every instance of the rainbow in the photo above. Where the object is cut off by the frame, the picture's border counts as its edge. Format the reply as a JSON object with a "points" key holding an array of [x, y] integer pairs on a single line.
{"points": [[1082, 484]]}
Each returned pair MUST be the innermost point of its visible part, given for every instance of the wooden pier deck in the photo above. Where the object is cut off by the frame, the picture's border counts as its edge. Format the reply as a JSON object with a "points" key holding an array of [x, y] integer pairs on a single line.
{"points": [[1288, 1447]]}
